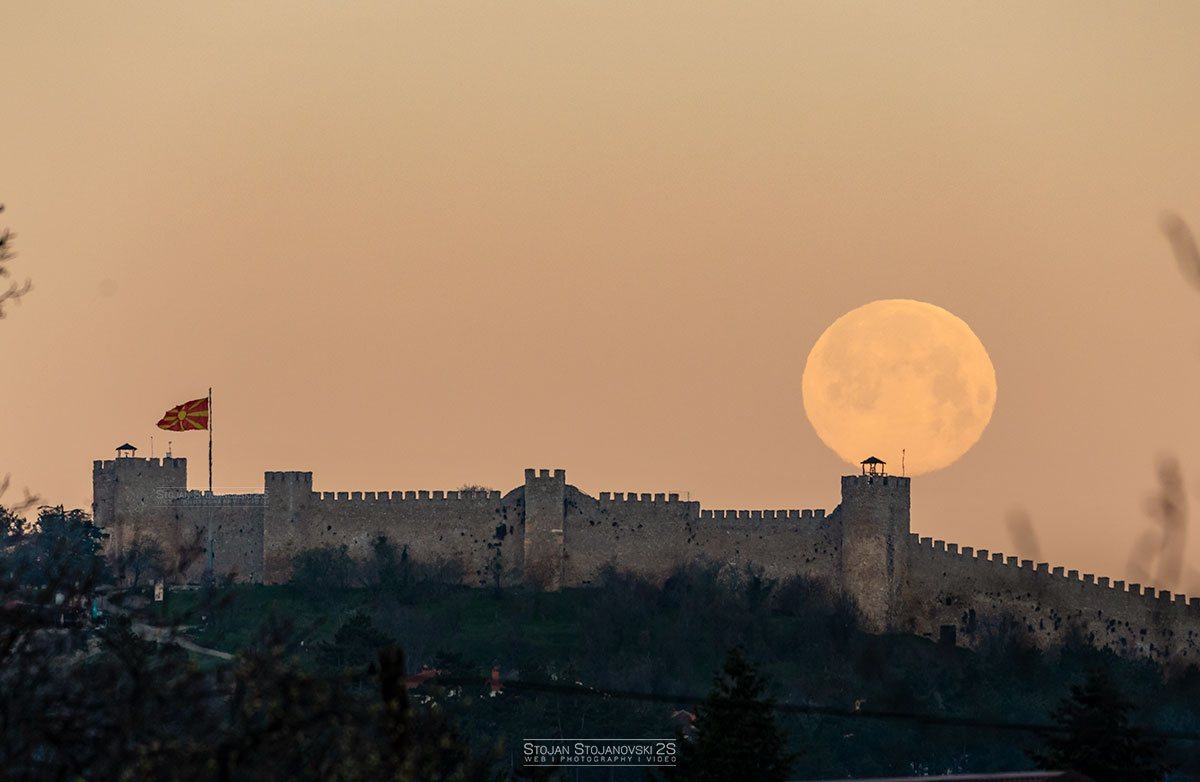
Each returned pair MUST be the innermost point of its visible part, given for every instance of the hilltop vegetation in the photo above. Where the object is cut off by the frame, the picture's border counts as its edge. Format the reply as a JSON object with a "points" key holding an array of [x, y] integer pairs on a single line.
{"points": [[318, 672], [628, 635]]}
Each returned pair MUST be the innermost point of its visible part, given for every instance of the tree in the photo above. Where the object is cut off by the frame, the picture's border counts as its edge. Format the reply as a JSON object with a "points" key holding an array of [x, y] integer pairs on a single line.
{"points": [[736, 736], [356, 643], [67, 547], [320, 570], [1097, 739], [143, 557], [14, 291]]}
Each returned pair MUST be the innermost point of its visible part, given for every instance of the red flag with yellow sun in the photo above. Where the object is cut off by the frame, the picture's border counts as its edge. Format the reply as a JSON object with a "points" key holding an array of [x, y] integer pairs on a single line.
{"points": [[189, 415]]}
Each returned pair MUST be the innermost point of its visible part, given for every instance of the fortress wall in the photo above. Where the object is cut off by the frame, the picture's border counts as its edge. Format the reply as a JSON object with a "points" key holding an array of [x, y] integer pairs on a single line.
{"points": [[463, 527], [638, 532], [971, 589], [782, 543], [224, 531], [654, 534]]}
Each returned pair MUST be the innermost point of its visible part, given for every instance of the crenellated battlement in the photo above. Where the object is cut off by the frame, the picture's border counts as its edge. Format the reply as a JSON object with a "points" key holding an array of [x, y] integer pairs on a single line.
{"points": [[1030, 575], [423, 495], [110, 465], [608, 496], [287, 476], [875, 482], [557, 475], [763, 515]]}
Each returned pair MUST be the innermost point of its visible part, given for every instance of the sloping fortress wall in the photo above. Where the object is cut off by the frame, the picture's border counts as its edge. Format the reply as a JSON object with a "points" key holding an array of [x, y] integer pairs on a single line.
{"points": [[547, 533]]}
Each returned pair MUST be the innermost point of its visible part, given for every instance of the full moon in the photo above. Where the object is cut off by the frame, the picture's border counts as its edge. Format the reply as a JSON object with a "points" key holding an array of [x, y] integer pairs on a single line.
{"points": [[899, 375]]}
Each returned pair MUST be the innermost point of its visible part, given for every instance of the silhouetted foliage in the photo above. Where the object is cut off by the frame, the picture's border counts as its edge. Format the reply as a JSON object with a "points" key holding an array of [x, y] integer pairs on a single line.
{"points": [[318, 570], [86, 698], [143, 557], [14, 291], [356, 643], [735, 732], [1099, 741]]}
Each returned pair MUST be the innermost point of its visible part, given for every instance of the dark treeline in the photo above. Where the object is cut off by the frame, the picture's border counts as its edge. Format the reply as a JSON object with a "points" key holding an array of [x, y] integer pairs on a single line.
{"points": [[625, 633], [316, 687]]}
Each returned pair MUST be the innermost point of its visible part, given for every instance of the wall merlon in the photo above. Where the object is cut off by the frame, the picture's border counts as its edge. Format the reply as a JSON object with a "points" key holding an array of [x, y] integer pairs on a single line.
{"points": [[1103, 581], [1059, 572], [673, 497], [439, 495], [1027, 564], [1135, 589], [1089, 578], [1119, 586], [939, 545], [1072, 575], [967, 551], [998, 558], [1010, 561], [926, 542], [410, 495], [1043, 568], [982, 555], [951, 548], [422, 494]]}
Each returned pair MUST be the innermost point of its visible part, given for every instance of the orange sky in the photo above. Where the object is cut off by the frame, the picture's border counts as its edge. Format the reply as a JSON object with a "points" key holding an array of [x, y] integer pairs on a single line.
{"points": [[416, 245]]}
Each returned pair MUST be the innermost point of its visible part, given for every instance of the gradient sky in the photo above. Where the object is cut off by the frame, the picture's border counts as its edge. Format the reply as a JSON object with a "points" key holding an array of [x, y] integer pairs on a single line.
{"points": [[417, 245]]}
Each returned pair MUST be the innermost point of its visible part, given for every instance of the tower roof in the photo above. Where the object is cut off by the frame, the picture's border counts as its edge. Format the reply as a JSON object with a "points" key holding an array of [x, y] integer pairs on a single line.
{"points": [[872, 460], [126, 447]]}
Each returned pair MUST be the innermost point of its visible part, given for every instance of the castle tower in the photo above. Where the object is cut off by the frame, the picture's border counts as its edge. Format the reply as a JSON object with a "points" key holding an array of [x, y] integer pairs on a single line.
{"points": [[874, 565], [286, 514], [131, 497], [545, 510]]}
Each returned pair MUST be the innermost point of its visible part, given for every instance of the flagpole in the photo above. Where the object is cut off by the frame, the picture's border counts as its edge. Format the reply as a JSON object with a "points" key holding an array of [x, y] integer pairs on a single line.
{"points": [[210, 417]]}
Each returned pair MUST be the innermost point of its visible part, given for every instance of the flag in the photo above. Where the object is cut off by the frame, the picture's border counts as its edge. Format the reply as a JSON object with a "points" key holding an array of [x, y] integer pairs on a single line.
{"points": [[189, 415]]}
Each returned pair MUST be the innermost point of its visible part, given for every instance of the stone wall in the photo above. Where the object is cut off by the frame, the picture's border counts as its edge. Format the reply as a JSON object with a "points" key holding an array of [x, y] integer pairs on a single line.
{"points": [[547, 532], [973, 590], [466, 528]]}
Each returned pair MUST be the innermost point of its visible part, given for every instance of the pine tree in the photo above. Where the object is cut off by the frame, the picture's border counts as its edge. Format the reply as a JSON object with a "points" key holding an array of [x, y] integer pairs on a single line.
{"points": [[1098, 740], [736, 736]]}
